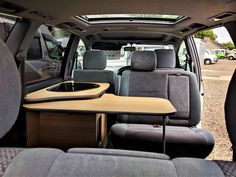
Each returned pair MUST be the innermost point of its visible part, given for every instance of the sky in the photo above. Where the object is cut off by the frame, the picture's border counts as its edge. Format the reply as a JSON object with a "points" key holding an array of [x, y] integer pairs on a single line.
{"points": [[222, 35]]}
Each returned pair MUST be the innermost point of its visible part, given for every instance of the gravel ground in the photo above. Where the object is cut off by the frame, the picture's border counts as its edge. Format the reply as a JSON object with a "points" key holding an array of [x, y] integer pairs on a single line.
{"points": [[216, 79]]}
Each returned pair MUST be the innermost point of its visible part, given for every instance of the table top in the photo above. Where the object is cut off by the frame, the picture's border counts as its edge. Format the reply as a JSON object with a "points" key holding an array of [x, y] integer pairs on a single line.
{"points": [[109, 103], [46, 95]]}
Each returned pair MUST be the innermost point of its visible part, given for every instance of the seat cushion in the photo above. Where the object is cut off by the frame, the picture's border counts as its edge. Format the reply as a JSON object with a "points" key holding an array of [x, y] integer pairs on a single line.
{"points": [[193, 167], [180, 141], [86, 162], [6, 156], [55, 163], [121, 153], [227, 167]]}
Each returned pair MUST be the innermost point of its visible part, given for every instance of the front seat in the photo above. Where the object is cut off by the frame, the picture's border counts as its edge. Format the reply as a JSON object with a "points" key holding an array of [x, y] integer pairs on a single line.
{"points": [[10, 96], [135, 132], [94, 63]]}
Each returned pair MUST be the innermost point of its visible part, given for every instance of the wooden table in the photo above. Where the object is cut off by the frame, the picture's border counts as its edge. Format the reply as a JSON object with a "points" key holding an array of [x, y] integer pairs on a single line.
{"points": [[46, 95], [107, 104]]}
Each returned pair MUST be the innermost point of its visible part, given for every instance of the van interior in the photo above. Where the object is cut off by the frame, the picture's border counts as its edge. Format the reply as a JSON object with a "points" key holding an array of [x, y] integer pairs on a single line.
{"points": [[108, 88]]}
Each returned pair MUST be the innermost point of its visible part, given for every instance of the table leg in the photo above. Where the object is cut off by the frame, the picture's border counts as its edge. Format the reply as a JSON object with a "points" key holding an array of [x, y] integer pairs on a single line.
{"points": [[164, 134]]}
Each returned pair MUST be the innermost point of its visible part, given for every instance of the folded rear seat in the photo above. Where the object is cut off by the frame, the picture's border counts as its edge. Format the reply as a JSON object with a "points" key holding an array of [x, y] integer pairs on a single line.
{"points": [[99, 162]]}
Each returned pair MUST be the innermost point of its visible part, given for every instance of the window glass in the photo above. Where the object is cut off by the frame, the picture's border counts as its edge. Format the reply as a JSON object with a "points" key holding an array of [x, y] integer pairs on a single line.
{"points": [[183, 56], [55, 50], [80, 53], [117, 58], [35, 51], [6, 24], [45, 55]]}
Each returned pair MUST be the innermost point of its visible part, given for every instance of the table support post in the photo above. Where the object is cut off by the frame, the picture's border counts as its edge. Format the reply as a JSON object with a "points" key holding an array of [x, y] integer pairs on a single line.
{"points": [[164, 133]]}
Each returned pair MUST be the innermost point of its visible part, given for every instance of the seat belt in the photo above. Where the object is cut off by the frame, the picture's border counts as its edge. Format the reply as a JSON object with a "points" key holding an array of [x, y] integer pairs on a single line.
{"points": [[21, 57]]}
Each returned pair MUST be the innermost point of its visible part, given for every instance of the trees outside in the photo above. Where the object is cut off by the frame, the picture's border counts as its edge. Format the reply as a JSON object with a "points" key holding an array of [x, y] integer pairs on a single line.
{"points": [[208, 33], [229, 45]]}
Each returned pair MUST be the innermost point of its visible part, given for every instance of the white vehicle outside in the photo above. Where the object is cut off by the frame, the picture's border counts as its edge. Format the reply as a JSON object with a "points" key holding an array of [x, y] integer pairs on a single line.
{"points": [[231, 55], [209, 57]]}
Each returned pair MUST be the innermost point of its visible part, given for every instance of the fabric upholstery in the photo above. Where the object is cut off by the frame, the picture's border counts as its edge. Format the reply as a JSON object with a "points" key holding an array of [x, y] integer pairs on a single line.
{"points": [[227, 167], [94, 60], [180, 141], [115, 152], [230, 111], [179, 86], [92, 162], [102, 76], [10, 90], [165, 58], [6, 156], [190, 167], [94, 64], [143, 61], [33, 163]]}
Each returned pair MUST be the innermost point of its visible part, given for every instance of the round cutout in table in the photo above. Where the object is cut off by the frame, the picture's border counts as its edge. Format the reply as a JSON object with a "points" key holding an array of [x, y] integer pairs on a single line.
{"points": [[73, 87]]}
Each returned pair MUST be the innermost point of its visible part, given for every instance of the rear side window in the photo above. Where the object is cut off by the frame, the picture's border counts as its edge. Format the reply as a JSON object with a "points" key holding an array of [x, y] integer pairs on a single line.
{"points": [[45, 55], [6, 25], [184, 57], [55, 51], [35, 51]]}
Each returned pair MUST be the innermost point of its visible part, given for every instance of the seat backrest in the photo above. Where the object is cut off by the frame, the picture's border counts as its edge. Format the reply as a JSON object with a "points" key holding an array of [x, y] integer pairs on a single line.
{"points": [[179, 86], [230, 113], [94, 63], [10, 90]]}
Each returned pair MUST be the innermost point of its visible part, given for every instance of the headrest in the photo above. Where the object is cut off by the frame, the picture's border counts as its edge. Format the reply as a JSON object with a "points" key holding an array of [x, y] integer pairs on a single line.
{"points": [[143, 61], [94, 60], [165, 58], [10, 90]]}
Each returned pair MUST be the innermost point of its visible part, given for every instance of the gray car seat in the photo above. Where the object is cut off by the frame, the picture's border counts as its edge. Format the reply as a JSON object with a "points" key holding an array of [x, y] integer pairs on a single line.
{"points": [[94, 63], [106, 163], [10, 96], [135, 132]]}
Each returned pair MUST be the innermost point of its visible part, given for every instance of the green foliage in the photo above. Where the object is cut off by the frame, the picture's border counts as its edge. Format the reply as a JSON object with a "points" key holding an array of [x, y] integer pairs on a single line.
{"points": [[207, 33], [229, 45]]}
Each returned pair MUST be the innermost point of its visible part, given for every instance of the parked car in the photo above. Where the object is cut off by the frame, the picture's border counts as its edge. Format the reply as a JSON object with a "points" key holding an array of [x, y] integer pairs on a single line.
{"points": [[209, 57], [231, 55], [220, 53]]}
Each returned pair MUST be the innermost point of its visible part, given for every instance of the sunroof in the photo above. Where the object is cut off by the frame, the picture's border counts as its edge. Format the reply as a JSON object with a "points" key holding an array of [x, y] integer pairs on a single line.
{"points": [[131, 17]]}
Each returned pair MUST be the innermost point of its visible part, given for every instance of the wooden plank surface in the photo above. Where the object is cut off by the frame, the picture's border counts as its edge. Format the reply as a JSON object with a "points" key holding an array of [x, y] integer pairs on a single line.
{"points": [[109, 103], [45, 95]]}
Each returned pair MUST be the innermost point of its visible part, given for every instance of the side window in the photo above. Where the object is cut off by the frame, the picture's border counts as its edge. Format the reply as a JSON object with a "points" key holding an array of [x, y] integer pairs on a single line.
{"points": [[55, 51], [80, 53], [6, 25], [44, 56], [35, 52], [183, 57]]}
